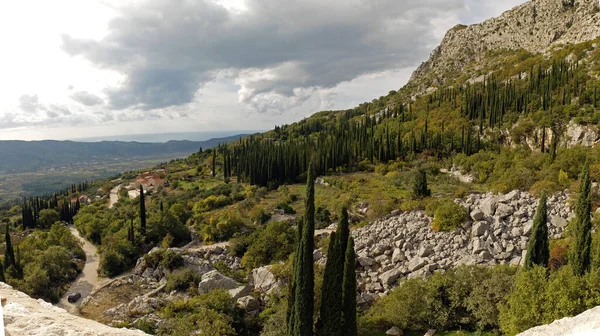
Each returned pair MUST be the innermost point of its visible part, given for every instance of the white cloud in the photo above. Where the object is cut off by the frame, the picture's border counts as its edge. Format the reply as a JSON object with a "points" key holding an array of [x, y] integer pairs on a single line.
{"points": [[73, 68]]}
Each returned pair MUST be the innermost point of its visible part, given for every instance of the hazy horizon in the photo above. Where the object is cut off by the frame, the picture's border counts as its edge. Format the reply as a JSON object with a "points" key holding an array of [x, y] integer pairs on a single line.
{"points": [[164, 137]]}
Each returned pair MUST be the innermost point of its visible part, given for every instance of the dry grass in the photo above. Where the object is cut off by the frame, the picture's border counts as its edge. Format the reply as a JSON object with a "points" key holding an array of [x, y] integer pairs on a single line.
{"points": [[107, 298]]}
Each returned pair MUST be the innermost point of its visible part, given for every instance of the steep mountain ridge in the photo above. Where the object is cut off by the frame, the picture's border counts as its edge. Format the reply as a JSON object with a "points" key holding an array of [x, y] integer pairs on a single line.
{"points": [[535, 26]]}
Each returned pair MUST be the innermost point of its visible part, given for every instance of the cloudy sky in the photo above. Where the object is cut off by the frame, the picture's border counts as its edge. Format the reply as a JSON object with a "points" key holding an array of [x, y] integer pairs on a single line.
{"points": [[73, 69]]}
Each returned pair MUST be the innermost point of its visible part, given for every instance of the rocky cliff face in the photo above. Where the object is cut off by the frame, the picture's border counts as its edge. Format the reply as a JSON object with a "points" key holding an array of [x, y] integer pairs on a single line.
{"points": [[24, 316], [535, 26]]}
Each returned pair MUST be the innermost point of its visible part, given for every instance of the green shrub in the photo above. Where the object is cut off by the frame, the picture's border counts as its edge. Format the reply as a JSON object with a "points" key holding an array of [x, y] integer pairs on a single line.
{"points": [[448, 216], [462, 298], [181, 280], [287, 209], [273, 243], [537, 299], [112, 263], [171, 260]]}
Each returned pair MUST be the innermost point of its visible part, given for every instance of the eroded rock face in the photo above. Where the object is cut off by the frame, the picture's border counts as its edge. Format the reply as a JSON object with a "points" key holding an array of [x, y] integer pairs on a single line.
{"points": [[405, 246], [534, 26], [263, 279], [24, 316]]}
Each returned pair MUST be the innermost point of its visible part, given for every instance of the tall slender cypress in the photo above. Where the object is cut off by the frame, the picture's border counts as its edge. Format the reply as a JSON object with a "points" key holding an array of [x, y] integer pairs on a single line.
{"points": [[579, 256], [142, 212], [291, 313], [343, 231], [331, 303], [9, 255], [304, 295], [349, 292], [538, 251], [214, 162]]}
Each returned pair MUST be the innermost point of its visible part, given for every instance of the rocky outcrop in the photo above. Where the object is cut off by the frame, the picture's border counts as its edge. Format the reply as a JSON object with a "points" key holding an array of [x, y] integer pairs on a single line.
{"points": [[24, 316], [405, 246], [215, 280], [586, 323], [534, 26], [581, 135]]}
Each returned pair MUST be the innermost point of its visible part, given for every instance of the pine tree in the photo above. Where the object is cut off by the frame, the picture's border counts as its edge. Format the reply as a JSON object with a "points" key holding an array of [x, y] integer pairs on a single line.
{"points": [[9, 255], [2, 278], [538, 251], [304, 273], [420, 184], [142, 212], [349, 292], [579, 256]]}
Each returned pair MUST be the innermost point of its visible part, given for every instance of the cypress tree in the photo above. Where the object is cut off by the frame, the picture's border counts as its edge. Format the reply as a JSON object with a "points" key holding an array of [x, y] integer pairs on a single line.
{"points": [[579, 256], [331, 302], [538, 251], [304, 294], [214, 162], [343, 231], [131, 233], [420, 184], [349, 292], [2, 278], [142, 211], [291, 312], [18, 266], [9, 255]]}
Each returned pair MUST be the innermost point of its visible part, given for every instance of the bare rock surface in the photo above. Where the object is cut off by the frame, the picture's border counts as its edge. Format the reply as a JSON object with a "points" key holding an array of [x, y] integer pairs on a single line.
{"points": [[584, 324], [26, 316]]}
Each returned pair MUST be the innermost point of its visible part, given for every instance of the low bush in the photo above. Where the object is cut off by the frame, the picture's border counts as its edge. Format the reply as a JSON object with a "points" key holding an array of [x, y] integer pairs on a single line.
{"points": [[448, 216], [273, 243], [462, 298], [181, 280]]}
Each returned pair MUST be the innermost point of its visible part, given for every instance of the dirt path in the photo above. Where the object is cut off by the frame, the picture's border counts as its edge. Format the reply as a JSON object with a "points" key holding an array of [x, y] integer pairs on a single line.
{"points": [[114, 196], [87, 280]]}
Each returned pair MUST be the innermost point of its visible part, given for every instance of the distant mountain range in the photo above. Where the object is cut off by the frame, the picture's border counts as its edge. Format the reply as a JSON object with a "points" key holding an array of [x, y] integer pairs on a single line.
{"points": [[164, 137], [29, 156]]}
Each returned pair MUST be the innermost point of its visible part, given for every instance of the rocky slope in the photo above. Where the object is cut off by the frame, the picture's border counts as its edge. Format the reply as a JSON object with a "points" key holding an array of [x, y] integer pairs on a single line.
{"points": [[535, 26], [29, 317], [405, 246]]}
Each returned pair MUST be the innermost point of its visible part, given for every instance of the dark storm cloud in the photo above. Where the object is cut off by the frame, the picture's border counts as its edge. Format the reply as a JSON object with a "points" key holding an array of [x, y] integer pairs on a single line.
{"points": [[168, 49], [86, 98]]}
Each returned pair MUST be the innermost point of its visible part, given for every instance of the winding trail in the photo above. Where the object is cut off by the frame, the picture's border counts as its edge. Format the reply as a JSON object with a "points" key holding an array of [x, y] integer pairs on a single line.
{"points": [[114, 196], [88, 280]]}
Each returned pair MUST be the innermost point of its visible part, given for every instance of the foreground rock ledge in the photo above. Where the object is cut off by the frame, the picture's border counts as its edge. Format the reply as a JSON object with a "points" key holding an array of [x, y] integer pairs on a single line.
{"points": [[584, 324], [30, 317]]}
